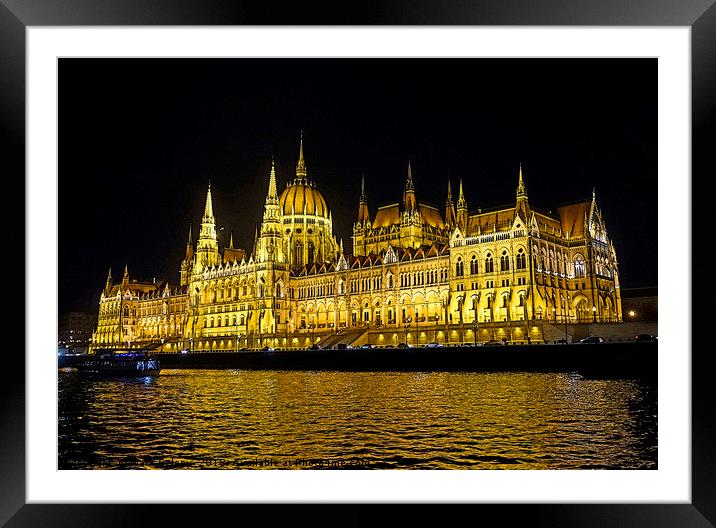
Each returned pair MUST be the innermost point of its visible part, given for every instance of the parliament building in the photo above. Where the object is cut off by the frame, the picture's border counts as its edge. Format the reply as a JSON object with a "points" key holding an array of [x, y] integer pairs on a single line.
{"points": [[417, 274]]}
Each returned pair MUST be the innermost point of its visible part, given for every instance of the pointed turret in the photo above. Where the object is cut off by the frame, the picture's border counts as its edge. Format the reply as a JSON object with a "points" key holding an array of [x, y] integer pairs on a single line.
{"points": [[521, 189], [522, 205], [208, 207], [125, 277], [108, 284], [301, 172], [189, 247], [207, 249], [409, 194], [231, 240], [461, 210], [272, 196], [188, 262], [450, 219], [363, 214]]}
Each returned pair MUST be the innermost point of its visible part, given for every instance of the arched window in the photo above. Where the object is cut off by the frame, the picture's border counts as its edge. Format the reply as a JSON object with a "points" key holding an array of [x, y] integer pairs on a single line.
{"points": [[241, 319], [310, 252], [489, 265], [504, 262], [298, 254], [579, 269], [473, 265], [459, 267], [521, 259]]}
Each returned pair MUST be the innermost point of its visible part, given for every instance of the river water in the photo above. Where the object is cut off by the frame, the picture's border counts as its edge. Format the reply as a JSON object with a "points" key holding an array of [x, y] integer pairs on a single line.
{"points": [[239, 419]]}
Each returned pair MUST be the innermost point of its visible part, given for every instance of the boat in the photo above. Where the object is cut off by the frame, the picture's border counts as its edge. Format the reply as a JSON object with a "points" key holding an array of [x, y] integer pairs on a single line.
{"points": [[117, 363]]}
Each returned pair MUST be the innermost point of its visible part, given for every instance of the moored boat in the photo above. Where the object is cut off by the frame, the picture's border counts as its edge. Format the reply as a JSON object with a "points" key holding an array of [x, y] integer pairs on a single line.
{"points": [[119, 364]]}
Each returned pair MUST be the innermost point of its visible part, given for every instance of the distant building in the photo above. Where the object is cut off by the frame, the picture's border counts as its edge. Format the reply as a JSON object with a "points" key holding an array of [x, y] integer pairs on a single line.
{"points": [[74, 329], [415, 274], [640, 304]]}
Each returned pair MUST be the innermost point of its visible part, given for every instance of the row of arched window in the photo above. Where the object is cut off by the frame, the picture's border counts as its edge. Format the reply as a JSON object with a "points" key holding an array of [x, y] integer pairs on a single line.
{"points": [[489, 264], [211, 322], [315, 290]]}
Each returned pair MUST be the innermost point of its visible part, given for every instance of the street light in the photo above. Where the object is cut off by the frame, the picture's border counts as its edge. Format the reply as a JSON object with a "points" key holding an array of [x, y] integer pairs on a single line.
{"points": [[407, 326], [474, 330], [594, 314]]}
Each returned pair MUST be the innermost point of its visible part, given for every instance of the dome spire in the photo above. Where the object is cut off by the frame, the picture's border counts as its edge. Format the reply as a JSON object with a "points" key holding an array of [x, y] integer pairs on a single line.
{"points": [[301, 172]]}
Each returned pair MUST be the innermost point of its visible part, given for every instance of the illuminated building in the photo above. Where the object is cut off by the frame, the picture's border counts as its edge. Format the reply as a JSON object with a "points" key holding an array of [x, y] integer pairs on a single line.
{"points": [[415, 275]]}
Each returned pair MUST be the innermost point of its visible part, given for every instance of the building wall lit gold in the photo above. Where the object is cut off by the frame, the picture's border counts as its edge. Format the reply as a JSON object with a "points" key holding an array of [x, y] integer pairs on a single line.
{"points": [[414, 275]]}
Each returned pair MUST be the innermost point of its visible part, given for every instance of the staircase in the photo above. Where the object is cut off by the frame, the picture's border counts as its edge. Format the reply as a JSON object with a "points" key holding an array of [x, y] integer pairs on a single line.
{"points": [[349, 337]]}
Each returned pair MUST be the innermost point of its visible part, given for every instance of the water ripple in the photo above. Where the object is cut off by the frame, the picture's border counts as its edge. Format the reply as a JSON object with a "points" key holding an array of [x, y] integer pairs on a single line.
{"points": [[232, 419]]}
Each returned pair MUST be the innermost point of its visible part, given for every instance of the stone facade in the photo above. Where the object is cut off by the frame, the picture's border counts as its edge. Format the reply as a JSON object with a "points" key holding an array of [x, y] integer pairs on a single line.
{"points": [[415, 274]]}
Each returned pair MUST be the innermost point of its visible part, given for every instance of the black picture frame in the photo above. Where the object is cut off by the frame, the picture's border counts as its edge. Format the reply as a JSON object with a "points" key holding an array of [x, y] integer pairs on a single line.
{"points": [[17, 15]]}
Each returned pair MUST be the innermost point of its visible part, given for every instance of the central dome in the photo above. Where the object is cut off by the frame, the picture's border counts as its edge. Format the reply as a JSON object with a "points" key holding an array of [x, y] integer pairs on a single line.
{"points": [[300, 193]]}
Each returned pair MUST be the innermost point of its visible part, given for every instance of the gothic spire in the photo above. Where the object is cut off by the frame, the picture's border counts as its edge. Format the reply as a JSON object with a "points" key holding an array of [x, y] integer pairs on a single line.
{"points": [[272, 194], [449, 210], [189, 247], [208, 208], [409, 194], [461, 209], [461, 202], [207, 250], [521, 189], [301, 172], [363, 214]]}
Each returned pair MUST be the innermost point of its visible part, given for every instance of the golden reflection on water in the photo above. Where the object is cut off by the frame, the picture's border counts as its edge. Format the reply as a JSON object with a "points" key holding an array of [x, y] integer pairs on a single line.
{"points": [[232, 419]]}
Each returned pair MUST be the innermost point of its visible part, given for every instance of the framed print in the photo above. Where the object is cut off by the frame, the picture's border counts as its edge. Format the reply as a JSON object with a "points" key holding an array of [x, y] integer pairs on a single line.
{"points": [[352, 297]]}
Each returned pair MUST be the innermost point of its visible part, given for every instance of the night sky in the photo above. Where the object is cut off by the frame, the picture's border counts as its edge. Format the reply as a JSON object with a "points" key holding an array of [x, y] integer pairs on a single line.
{"points": [[139, 140]]}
